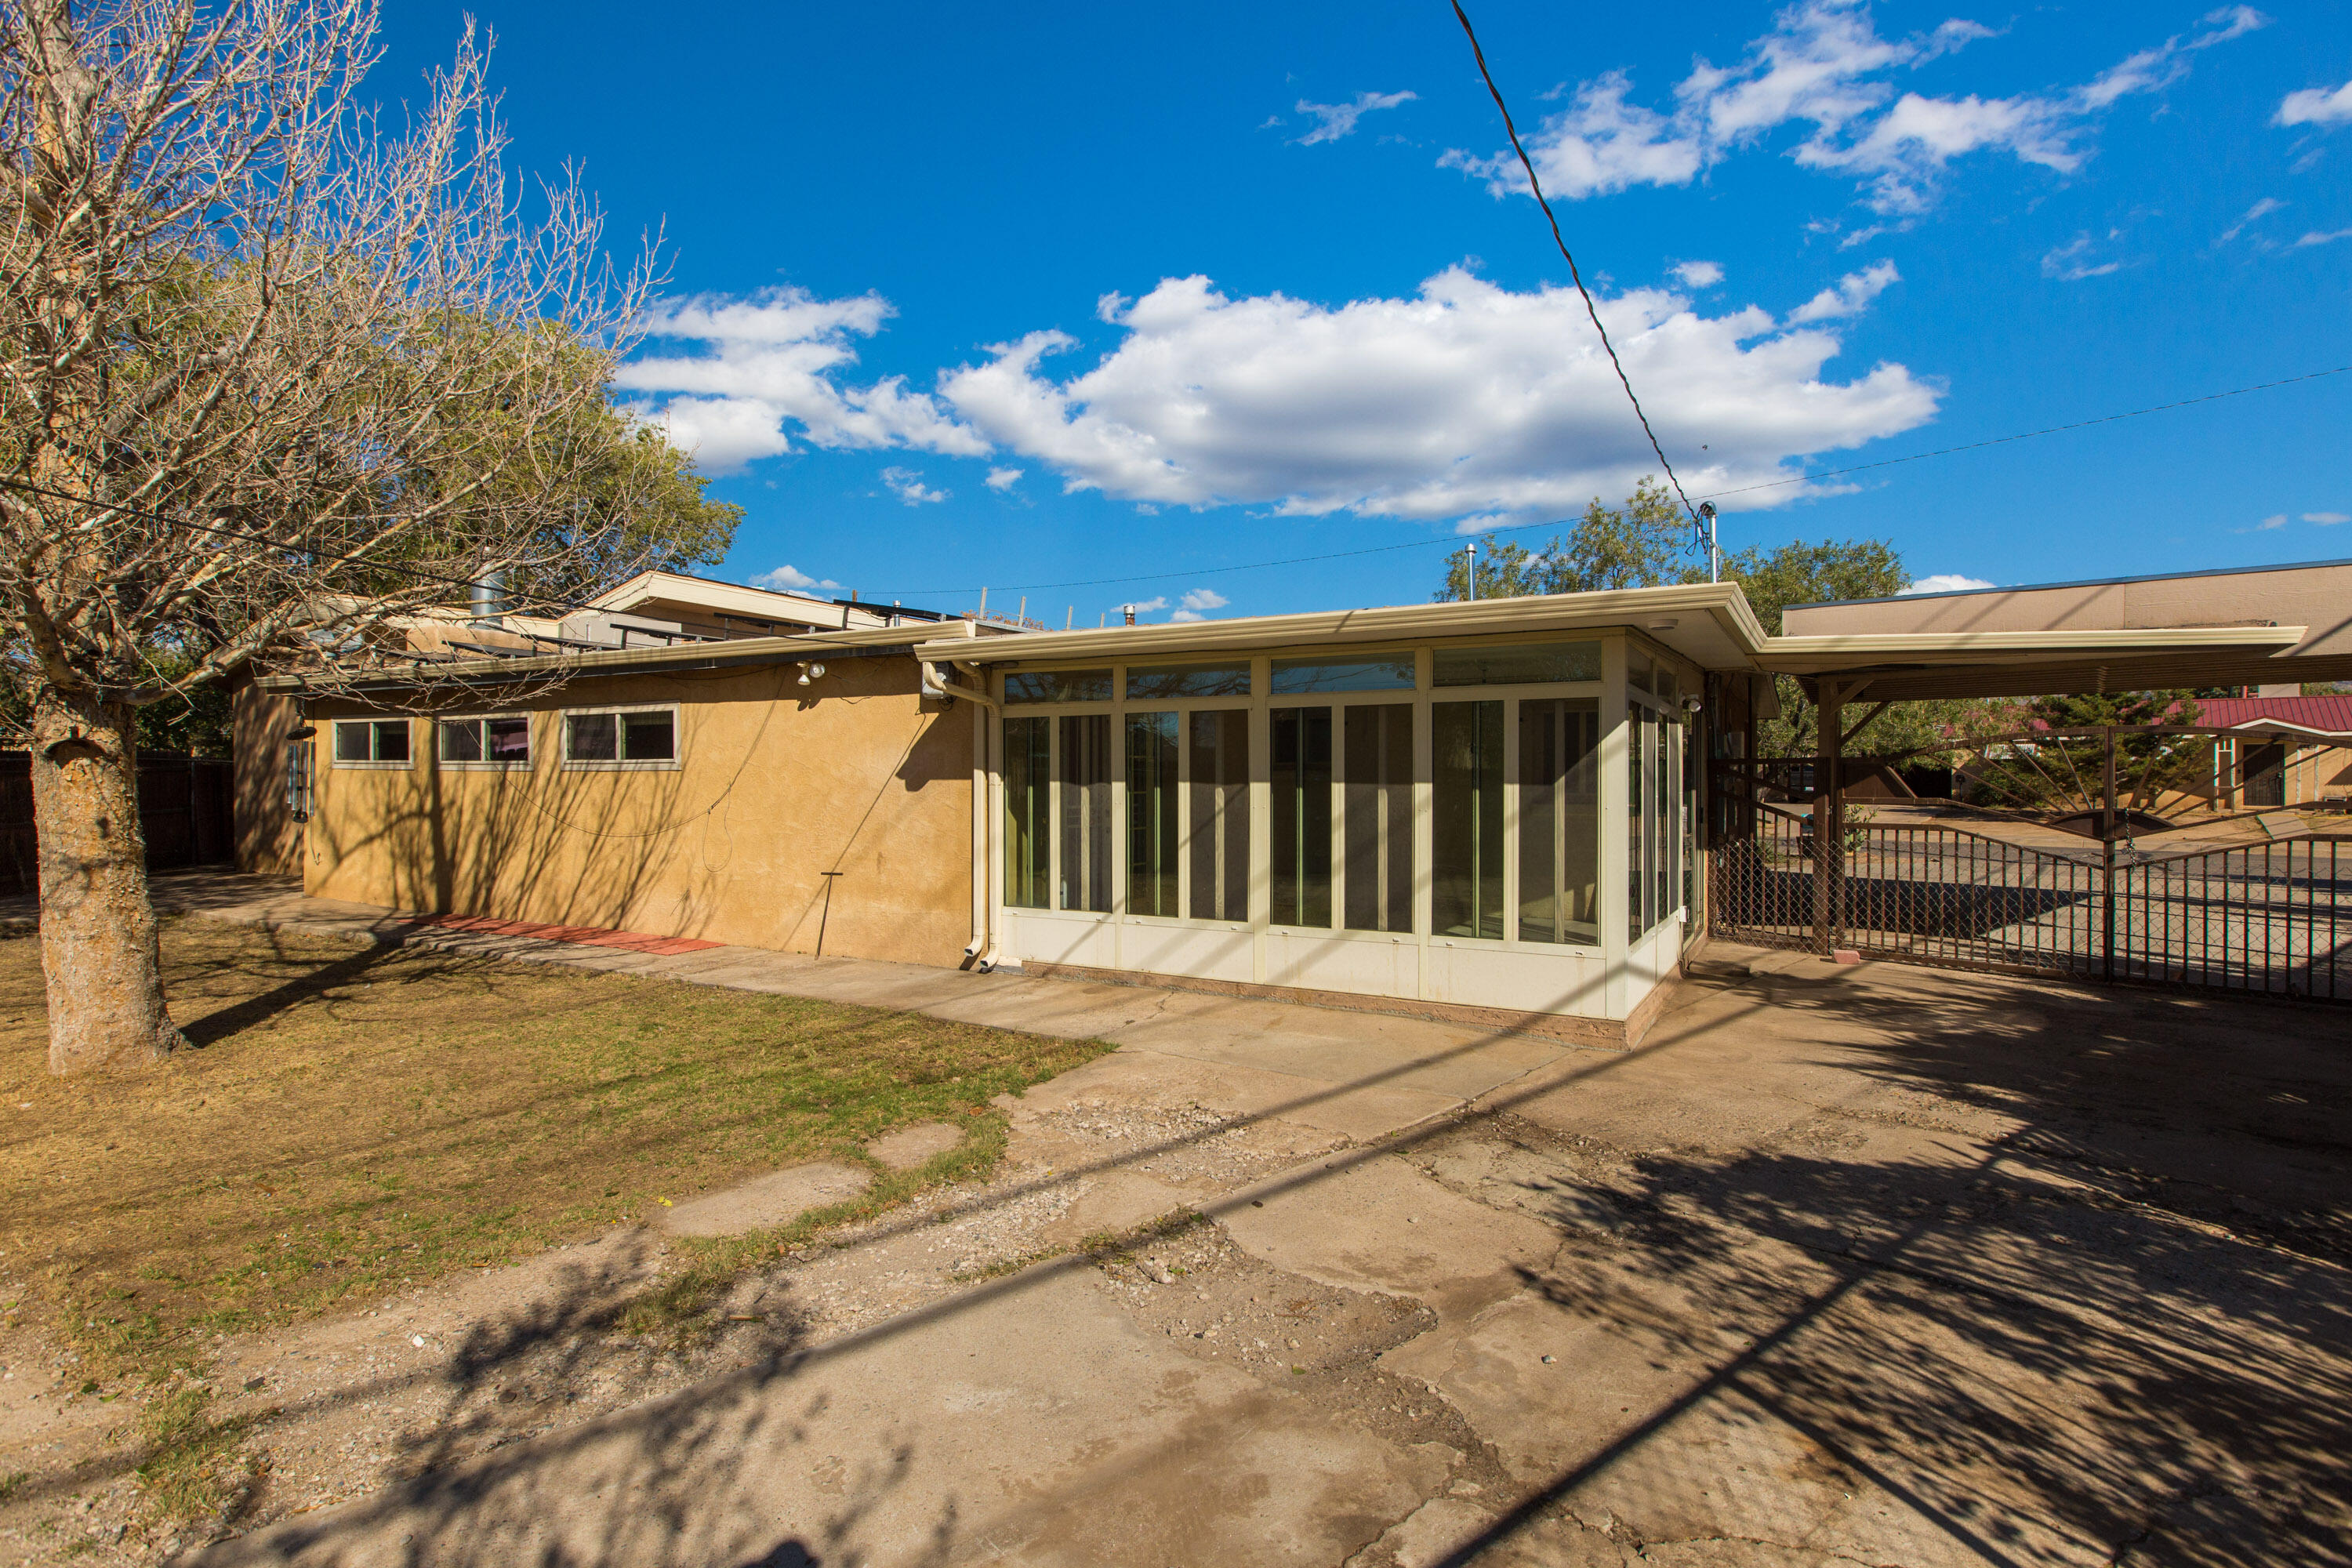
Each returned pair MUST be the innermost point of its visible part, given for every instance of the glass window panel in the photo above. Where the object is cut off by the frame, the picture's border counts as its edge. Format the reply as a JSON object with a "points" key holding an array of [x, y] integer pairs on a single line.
{"points": [[1637, 669], [1301, 828], [1641, 811], [461, 739], [1086, 770], [1393, 673], [1378, 826], [1221, 814], [649, 737], [392, 739], [1188, 680], [1662, 832], [1559, 820], [1151, 819], [1466, 847], [508, 740], [1526, 664], [1057, 686], [592, 737], [1028, 806], [352, 741]]}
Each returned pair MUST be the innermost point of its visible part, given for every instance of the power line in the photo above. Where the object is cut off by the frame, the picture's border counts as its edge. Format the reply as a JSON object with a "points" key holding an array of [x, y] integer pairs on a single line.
{"points": [[240, 535], [1529, 527], [1553, 218], [418, 572], [421, 575], [2029, 435]]}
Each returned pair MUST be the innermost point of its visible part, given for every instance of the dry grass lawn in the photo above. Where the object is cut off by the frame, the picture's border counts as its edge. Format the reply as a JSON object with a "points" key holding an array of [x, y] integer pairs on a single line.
{"points": [[355, 1119]]}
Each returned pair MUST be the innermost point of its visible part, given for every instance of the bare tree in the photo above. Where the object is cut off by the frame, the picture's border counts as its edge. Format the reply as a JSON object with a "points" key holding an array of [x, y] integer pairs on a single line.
{"points": [[276, 373]]}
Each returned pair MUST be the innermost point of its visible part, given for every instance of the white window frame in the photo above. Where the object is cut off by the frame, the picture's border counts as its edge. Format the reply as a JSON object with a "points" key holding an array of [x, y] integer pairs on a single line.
{"points": [[484, 764], [334, 746], [614, 765]]}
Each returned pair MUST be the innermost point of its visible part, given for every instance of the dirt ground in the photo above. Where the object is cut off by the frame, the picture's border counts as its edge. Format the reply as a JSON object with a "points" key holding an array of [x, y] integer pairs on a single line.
{"points": [[1843, 1265]]}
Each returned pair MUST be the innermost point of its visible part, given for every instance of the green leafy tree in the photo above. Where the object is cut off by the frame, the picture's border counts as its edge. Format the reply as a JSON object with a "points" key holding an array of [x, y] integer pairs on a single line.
{"points": [[1645, 543], [2066, 773]]}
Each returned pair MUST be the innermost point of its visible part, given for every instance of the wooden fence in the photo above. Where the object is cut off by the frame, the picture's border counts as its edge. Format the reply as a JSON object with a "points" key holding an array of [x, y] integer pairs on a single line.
{"points": [[184, 806]]}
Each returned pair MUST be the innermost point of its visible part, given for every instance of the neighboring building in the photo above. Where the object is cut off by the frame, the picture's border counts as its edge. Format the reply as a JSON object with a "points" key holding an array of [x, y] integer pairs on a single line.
{"points": [[1486, 811], [2298, 752]]}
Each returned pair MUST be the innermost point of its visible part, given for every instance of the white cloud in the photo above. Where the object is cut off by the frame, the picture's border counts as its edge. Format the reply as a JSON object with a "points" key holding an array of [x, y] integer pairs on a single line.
{"points": [[1849, 296], [2071, 262], [1465, 399], [1145, 606], [2315, 237], [766, 366], [1823, 65], [2326, 519], [1210, 599], [2317, 106], [1946, 582], [1183, 616], [788, 576], [2255, 213], [2275, 521], [1003, 478], [1698, 274], [908, 487], [1337, 119]]}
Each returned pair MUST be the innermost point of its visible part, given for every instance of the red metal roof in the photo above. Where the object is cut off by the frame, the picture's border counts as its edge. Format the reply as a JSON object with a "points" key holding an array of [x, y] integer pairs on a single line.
{"points": [[2331, 713]]}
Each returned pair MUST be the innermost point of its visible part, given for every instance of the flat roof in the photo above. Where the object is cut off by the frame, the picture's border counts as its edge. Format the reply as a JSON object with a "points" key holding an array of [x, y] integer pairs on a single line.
{"points": [[1709, 622], [627, 660], [2077, 582]]}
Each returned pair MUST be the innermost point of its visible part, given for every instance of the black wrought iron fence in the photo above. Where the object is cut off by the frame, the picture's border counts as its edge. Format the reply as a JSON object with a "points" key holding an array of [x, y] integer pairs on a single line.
{"points": [[2273, 918]]}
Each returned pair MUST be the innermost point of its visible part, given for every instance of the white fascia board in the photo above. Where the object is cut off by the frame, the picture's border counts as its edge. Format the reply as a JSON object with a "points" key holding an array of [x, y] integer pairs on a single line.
{"points": [[1725, 606], [767, 603], [1807, 655], [731, 650]]}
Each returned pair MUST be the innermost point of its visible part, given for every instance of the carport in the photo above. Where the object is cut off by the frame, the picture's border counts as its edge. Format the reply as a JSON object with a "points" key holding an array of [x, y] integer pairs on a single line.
{"points": [[2274, 915]]}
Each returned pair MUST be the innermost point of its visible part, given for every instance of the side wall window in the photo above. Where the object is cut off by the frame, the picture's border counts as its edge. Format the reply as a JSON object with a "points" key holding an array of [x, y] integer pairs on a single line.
{"points": [[501, 742], [619, 738], [364, 743]]}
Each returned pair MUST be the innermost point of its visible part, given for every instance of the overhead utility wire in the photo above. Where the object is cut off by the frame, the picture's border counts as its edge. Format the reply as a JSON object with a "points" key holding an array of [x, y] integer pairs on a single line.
{"points": [[1530, 526], [1553, 218], [423, 576], [2029, 435], [417, 572]]}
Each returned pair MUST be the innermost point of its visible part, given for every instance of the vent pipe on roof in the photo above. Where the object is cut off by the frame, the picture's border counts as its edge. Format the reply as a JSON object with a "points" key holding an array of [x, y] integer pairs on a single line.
{"points": [[490, 596], [1130, 612]]}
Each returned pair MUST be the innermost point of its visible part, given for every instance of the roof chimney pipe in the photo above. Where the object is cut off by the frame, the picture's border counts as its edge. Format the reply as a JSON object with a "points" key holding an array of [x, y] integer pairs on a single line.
{"points": [[491, 596], [1130, 612]]}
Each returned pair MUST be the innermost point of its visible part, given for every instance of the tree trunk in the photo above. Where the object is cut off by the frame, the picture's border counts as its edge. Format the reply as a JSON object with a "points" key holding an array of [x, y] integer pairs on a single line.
{"points": [[99, 950]]}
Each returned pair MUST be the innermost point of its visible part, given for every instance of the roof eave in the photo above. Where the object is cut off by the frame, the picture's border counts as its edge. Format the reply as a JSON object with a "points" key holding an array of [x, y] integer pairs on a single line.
{"points": [[1723, 602]]}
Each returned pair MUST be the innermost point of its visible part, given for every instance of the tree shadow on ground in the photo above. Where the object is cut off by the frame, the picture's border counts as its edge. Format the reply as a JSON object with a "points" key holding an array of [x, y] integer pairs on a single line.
{"points": [[2118, 1330], [2070, 1340]]}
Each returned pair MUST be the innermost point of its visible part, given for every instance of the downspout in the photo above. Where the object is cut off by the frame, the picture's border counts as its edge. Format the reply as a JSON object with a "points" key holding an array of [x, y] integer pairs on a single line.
{"points": [[983, 948]]}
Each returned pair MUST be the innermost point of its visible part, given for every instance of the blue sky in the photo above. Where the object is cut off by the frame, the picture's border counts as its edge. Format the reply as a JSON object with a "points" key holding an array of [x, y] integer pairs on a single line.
{"points": [[1024, 296]]}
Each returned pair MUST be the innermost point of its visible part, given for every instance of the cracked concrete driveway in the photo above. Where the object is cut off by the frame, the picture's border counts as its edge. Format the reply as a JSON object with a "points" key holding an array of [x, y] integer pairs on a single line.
{"points": [[1841, 1266]]}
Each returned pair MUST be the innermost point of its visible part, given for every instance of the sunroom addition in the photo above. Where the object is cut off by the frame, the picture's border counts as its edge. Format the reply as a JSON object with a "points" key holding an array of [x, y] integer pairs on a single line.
{"points": [[1501, 822]]}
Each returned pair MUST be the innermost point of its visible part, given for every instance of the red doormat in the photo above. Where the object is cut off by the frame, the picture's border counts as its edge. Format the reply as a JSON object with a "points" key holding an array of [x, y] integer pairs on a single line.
{"points": [[586, 936]]}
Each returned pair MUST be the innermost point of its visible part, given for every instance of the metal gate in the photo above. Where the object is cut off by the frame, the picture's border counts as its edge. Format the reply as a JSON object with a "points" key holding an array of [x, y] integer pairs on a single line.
{"points": [[2271, 918]]}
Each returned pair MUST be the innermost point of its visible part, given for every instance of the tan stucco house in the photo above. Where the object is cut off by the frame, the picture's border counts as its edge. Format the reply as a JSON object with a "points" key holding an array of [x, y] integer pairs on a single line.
{"points": [[1489, 811]]}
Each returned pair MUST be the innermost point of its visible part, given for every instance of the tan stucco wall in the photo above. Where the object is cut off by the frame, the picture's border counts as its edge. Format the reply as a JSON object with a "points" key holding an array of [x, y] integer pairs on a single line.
{"points": [[776, 785], [268, 840]]}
